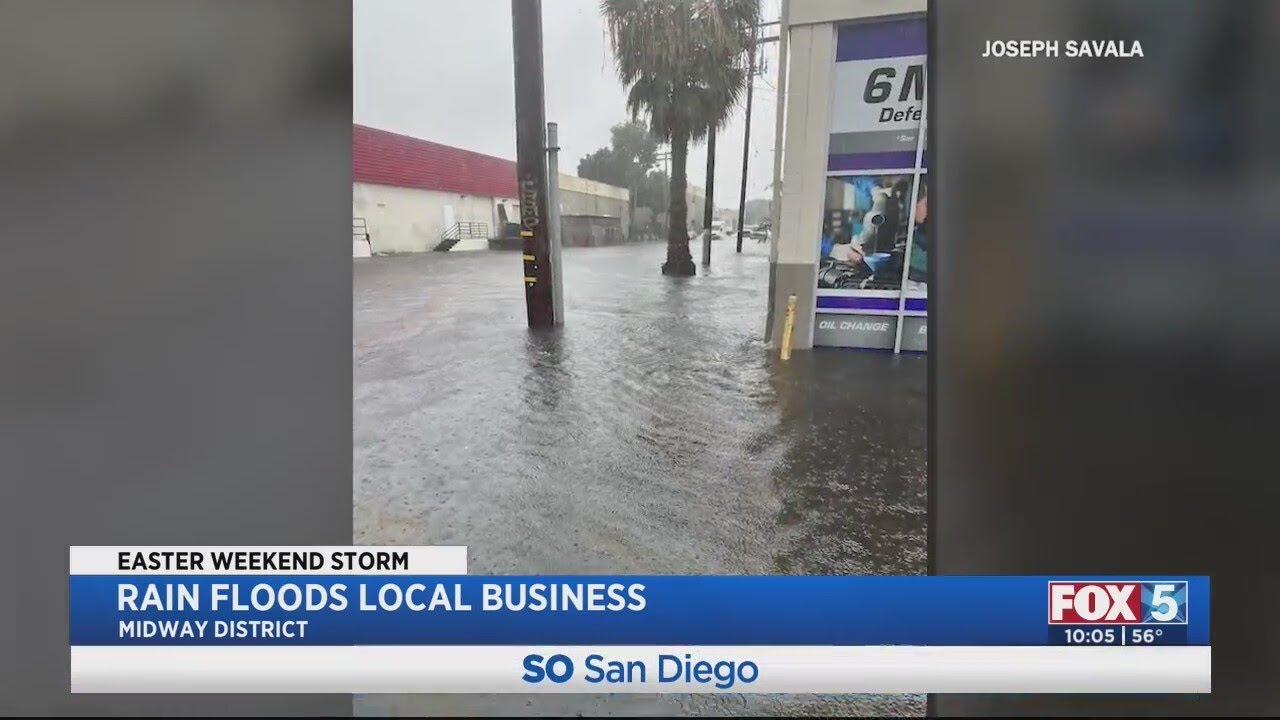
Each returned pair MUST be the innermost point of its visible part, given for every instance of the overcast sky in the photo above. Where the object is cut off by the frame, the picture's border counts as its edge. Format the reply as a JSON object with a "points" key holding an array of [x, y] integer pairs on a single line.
{"points": [[441, 70]]}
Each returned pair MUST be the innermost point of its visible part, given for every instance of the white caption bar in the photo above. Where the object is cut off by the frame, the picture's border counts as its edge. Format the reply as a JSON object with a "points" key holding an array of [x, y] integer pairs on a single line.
{"points": [[259, 560], [499, 669]]}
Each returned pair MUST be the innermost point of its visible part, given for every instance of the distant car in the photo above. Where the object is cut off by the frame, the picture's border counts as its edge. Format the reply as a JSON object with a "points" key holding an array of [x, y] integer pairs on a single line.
{"points": [[715, 234]]}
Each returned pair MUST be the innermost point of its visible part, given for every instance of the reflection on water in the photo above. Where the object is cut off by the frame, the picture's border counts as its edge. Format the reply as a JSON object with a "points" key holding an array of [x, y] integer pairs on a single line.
{"points": [[653, 433]]}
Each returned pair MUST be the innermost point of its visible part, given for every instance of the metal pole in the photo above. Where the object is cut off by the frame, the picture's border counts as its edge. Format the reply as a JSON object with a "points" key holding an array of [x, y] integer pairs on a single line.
{"points": [[746, 141], [553, 220], [709, 204], [531, 161], [911, 224]]}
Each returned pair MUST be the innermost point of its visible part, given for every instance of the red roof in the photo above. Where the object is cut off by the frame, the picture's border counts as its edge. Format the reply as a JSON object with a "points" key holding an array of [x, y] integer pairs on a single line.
{"points": [[386, 158]]}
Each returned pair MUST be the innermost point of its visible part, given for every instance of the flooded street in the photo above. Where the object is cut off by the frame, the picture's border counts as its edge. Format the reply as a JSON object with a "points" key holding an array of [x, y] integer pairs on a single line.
{"points": [[654, 433]]}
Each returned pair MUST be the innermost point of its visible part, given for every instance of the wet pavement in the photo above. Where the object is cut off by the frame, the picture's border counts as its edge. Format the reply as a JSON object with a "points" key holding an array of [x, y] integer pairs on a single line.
{"points": [[655, 433]]}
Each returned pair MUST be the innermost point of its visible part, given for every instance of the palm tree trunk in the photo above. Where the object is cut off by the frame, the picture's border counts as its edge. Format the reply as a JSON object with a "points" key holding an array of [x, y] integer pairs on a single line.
{"points": [[679, 261]]}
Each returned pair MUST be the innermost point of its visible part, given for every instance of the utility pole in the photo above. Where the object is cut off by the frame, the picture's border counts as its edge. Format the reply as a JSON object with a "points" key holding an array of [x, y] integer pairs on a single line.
{"points": [[553, 220], [709, 204], [775, 205], [746, 140], [531, 162], [665, 157]]}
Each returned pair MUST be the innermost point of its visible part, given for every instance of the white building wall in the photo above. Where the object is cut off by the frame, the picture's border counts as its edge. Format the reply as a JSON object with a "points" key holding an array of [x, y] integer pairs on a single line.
{"points": [[410, 220], [405, 220]]}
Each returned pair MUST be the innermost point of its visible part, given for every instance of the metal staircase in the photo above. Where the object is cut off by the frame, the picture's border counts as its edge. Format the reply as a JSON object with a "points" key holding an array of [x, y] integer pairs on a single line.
{"points": [[462, 231], [361, 243]]}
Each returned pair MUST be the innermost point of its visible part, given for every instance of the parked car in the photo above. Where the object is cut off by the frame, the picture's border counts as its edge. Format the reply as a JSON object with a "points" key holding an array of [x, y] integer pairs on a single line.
{"points": [[715, 234]]}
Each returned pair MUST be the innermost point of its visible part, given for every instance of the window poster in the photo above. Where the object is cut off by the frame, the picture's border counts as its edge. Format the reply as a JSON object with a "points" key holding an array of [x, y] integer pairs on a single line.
{"points": [[874, 250]]}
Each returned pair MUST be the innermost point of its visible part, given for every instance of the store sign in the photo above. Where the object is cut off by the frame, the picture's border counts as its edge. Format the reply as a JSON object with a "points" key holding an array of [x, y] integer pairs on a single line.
{"points": [[874, 244], [862, 331], [880, 126], [877, 106]]}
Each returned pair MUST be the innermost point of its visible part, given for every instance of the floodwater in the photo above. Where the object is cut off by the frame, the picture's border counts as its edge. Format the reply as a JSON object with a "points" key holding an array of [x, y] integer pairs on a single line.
{"points": [[655, 433]]}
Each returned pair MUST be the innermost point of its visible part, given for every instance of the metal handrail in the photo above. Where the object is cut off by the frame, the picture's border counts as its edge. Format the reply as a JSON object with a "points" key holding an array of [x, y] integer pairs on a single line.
{"points": [[467, 231]]}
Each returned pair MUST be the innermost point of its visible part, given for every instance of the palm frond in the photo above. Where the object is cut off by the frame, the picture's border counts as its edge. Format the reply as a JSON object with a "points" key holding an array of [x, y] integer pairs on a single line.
{"points": [[683, 61]]}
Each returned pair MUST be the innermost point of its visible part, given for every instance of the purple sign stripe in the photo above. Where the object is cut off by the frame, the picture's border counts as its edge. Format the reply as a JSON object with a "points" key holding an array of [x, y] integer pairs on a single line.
{"points": [[897, 38], [890, 160], [845, 302]]}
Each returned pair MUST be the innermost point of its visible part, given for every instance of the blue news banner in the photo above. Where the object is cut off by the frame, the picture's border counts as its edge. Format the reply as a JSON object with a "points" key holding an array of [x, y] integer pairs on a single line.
{"points": [[206, 610]]}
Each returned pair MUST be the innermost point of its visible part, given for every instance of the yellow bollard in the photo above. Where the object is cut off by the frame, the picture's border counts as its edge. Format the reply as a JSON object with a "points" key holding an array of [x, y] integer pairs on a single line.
{"points": [[787, 326]]}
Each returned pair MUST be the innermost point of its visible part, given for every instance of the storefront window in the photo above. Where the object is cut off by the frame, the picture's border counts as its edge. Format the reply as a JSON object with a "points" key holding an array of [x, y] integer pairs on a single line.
{"points": [[874, 249], [864, 233]]}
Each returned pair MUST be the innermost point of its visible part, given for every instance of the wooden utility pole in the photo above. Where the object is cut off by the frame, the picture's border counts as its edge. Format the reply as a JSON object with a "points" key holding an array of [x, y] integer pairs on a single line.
{"points": [[531, 162], [775, 219], [709, 204], [746, 140]]}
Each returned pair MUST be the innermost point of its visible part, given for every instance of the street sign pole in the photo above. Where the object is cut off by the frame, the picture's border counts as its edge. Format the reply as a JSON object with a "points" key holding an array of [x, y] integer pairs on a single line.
{"points": [[531, 162], [553, 217]]}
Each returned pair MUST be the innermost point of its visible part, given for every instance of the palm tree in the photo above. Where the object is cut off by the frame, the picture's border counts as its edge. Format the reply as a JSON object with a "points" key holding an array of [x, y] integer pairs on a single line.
{"points": [[684, 62]]}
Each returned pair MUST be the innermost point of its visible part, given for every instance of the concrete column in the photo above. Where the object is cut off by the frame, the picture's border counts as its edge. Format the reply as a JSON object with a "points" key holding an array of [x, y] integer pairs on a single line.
{"points": [[794, 267]]}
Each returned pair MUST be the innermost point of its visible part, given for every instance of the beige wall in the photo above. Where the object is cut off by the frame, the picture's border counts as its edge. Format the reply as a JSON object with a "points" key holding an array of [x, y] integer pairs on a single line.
{"points": [[695, 197], [805, 163], [575, 203], [811, 35], [573, 183], [409, 220], [804, 12], [579, 196]]}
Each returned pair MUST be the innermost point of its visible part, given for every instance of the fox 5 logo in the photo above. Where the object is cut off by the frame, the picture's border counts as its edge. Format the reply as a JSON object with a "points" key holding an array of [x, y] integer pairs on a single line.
{"points": [[1113, 603]]}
